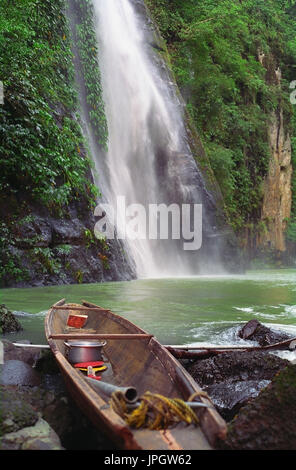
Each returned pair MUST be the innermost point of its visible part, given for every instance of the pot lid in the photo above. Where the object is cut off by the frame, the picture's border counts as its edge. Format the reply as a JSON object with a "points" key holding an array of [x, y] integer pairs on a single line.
{"points": [[86, 344]]}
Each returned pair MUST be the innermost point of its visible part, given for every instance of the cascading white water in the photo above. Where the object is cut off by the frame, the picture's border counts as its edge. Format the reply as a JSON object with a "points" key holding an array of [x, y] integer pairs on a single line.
{"points": [[145, 132]]}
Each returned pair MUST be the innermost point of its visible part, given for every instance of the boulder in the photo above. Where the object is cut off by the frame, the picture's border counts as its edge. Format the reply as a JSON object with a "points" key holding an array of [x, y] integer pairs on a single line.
{"points": [[255, 331], [229, 399], [40, 436], [36, 407], [267, 422], [16, 413], [8, 322], [232, 378], [248, 329], [19, 373], [28, 355], [236, 366]]}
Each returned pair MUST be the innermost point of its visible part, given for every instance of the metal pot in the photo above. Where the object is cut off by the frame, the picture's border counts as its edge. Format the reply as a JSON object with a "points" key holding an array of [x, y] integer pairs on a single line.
{"points": [[84, 351]]}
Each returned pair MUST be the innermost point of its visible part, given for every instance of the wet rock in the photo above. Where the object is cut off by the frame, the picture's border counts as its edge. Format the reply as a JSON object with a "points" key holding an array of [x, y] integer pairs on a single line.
{"points": [[20, 424], [51, 249], [31, 417], [255, 331], [16, 413], [16, 372], [34, 232], [229, 399], [56, 407], [68, 231], [236, 366], [232, 378], [267, 422], [248, 329], [8, 322], [38, 437], [28, 355]]}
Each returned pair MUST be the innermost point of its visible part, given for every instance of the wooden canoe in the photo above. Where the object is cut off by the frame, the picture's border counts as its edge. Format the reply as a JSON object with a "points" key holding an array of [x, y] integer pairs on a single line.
{"points": [[135, 359]]}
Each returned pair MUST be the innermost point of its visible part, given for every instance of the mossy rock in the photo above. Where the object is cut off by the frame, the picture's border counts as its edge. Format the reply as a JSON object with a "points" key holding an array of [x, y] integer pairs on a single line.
{"points": [[38, 437], [8, 322], [268, 421], [15, 413]]}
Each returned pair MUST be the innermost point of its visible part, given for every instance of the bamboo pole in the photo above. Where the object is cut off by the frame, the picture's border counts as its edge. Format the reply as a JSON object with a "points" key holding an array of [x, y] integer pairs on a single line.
{"points": [[288, 343], [24, 345], [182, 354]]}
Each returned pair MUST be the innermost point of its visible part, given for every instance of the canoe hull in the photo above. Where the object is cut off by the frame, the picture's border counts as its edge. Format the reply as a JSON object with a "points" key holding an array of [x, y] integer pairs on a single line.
{"points": [[143, 363]]}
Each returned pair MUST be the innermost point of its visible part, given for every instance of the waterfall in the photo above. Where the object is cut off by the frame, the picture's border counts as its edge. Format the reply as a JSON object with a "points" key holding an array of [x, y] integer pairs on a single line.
{"points": [[149, 160]]}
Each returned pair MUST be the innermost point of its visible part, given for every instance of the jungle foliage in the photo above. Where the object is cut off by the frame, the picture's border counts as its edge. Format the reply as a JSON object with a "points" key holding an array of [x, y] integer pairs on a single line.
{"points": [[214, 49], [41, 144]]}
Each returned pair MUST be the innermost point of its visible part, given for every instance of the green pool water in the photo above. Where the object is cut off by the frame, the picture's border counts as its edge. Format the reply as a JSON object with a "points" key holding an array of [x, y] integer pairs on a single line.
{"points": [[176, 310]]}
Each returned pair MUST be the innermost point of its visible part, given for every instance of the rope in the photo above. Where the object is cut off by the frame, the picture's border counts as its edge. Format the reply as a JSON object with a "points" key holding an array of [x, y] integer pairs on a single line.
{"points": [[154, 411], [200, 394]]}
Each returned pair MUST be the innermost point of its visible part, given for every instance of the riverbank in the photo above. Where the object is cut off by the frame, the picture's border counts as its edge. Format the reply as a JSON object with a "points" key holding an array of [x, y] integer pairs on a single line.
{"points": [[252, 391], [37, 412]]}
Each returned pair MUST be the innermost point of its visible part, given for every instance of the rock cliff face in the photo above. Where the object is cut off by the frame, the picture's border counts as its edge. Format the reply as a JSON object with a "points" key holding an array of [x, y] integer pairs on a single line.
{"points": [[277, 191], [277, 188], [45, 249]]}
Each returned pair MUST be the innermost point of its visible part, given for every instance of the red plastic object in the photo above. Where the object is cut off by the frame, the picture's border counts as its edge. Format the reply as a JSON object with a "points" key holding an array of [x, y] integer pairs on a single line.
{"points": [[86, 364], [96, 377]]}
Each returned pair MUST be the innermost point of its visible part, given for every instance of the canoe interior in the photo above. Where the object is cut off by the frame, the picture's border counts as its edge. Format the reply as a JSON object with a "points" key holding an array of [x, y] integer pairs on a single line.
{"points": [[141, 363], [130, 363]]}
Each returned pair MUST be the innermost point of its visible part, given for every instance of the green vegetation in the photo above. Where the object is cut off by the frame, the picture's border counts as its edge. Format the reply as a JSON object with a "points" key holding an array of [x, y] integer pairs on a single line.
{"points": [[44, 162], [88, 53], [214, 48], [8, 324], [41, 145], [9, 266]]}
